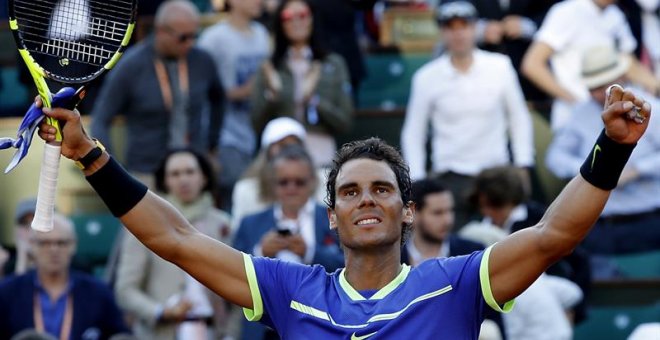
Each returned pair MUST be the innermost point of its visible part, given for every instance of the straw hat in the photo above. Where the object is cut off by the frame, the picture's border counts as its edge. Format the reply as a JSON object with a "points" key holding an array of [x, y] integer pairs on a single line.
{"points": [[602, 65]]}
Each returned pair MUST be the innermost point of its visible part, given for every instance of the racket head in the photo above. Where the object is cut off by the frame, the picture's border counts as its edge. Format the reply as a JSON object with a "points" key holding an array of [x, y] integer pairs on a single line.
{"points": [[71, 41]]}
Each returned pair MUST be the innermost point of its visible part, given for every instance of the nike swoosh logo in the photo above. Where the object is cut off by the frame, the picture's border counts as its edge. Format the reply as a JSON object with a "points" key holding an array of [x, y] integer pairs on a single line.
{"points": [[355, 337], [593, 156]]}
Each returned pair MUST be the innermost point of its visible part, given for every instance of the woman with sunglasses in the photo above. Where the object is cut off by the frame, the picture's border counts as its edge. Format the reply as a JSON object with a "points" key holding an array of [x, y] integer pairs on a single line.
{"points": [[303, 81]]}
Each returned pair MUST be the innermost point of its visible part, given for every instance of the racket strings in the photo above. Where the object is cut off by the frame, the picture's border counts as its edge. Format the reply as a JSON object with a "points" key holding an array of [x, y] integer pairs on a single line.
{"points": [[86, 31]]}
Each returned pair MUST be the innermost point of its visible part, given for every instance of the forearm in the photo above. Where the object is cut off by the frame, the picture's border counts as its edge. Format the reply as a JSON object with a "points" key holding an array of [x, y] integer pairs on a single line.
{"points": [[167, 233], [640, 75], [569, 219], [535, 67]]}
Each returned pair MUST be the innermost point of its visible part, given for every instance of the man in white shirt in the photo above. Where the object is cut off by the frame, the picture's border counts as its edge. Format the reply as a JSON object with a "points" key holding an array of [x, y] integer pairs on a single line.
{"points": [[475, 106], [571, 28]]}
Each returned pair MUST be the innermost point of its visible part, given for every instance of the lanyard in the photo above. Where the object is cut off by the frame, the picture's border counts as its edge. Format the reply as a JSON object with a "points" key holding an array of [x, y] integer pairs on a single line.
{"points": [[65, 331], [164, 81]]}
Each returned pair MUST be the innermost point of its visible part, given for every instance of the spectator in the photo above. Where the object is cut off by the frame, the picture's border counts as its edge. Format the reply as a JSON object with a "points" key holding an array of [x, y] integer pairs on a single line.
{"points": [[432, 236], [475, 107], [644, 19], [19, 258], [571, 28], [237, 66], [434, 221], [304, 82], [508, 27], [55, 300], [337, 24], [500, 196], [630, 221], [160, 295], [255, 191], [163, 86], [295, 228], [543, 311]]}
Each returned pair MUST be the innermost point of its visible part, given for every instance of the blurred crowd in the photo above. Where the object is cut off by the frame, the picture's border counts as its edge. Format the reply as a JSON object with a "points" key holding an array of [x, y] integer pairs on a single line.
{"points": [[234, 124]]}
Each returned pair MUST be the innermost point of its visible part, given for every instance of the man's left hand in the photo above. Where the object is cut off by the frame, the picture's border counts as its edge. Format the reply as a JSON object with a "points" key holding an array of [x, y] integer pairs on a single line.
{"points": [[618, 115]]}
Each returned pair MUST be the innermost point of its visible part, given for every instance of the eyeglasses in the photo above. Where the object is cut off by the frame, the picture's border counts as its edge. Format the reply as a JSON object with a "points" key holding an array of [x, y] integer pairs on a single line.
{"points": [[297, 182], [61, 243], [181, 37], [289, 14]]}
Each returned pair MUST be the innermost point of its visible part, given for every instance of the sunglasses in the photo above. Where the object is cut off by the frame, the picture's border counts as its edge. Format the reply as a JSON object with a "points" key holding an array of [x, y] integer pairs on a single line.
{"points": [[297, 182], [289, 14], [181, 37], [61, 243]]}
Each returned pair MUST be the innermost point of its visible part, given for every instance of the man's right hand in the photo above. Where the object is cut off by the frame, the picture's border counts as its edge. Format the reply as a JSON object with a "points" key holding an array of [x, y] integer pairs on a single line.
{"points": [[75, 142]]}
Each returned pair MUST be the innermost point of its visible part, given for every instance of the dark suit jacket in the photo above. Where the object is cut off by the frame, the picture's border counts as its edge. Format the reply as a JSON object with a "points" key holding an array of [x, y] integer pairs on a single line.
{"points": [[457, 246], [95, 313], [328, 253]]}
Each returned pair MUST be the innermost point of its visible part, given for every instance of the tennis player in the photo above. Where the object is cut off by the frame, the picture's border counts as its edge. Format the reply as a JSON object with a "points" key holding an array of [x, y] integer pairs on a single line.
{"points": [[374, 296]]}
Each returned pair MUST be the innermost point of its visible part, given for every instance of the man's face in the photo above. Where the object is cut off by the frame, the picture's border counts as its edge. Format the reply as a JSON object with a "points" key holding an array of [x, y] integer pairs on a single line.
{"points": [[53, 250], [177, 36], [368, 208], [294, 183], [436, 219], [459, 36]]}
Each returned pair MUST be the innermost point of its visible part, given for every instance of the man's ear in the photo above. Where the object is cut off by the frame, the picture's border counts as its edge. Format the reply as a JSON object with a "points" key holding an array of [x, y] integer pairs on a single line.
{"points": [[409, 212], [332, 217]]}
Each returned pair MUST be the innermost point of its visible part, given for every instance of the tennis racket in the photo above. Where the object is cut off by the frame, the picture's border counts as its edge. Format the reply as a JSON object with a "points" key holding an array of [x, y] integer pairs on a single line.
{"points": [[70, 42]]}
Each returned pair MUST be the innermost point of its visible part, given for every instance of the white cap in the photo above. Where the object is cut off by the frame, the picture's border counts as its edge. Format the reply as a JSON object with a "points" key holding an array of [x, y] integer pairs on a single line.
{"points": [[280, 128]]}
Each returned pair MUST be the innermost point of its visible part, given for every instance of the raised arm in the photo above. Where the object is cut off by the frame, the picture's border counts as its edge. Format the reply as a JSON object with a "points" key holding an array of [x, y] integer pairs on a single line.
{"points": [[516, 262], [152, 220]]}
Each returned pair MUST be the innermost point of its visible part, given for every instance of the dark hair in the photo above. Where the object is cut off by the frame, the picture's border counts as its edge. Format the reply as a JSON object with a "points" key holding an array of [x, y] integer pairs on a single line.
{"points": [[376, 149], [204, 166], [500, 186], [282, 43], [425, 187]]}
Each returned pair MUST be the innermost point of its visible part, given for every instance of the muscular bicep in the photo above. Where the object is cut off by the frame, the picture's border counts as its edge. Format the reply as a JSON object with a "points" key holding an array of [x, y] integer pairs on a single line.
{"points": [[515, 263], [519, 259], [217, 266], [161, 228]]}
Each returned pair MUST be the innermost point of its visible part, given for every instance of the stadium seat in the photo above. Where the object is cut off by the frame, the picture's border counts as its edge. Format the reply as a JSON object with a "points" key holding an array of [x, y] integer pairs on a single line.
{"points": [[96, 236], [615, 323], [639, 266], [387, 85]]}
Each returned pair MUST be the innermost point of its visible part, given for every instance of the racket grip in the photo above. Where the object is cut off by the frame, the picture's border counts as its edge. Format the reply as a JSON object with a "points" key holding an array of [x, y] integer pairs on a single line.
{"points": [[43, 215]]}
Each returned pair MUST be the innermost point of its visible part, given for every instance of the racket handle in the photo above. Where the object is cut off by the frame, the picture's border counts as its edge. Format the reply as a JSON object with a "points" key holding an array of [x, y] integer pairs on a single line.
{"points": [[50, 166]]}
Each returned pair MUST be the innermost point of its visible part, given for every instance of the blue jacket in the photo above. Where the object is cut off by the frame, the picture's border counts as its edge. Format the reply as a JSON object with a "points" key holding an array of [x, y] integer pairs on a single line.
{"points": [[328, 253], [95, 313]]}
